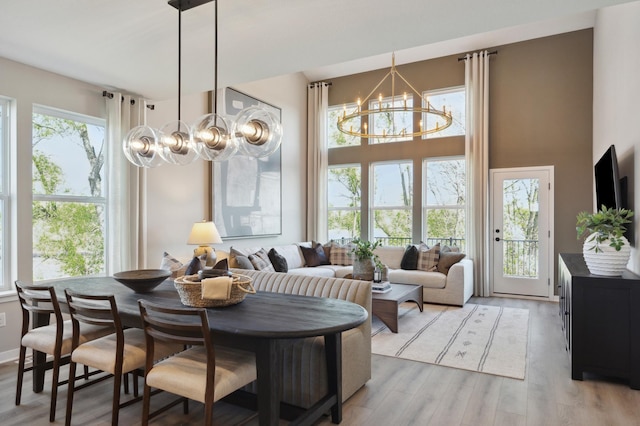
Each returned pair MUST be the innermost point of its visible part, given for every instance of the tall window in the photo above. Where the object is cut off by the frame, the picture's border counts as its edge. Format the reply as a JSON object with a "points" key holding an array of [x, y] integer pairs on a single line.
{"points": [[69, 201], [451, 100], [392, 201], [4, 196], [344, 197], [393, 122], [444, 201], [336, 137]]}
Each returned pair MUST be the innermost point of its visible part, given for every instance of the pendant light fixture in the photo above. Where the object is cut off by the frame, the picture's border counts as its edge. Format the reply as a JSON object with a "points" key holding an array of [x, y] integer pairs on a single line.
{"points": [[254, 132]]}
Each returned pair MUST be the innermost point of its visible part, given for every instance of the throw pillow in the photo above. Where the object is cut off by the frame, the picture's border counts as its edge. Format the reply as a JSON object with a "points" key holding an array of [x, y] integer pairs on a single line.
{"points": [[428, 257], [194, 266], [223, 264], [239, 260], [409, 260], [314, 256], [260, 261], [447, 249], [326, 248], [278, 261], [447, 260], [170, 263], [341, 255]]}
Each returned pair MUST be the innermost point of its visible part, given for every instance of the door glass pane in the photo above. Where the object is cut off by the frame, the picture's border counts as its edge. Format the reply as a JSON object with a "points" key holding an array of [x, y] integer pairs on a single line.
{"points": [[520, 227]]}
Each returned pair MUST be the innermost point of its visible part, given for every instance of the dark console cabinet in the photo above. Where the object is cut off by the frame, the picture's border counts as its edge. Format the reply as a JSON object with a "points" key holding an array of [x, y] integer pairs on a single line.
{"points": [[601, 320]]}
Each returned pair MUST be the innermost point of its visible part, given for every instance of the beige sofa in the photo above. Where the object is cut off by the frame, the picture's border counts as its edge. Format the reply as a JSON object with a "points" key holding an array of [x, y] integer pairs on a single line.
{"points": [[454, 288], [304, 372]]}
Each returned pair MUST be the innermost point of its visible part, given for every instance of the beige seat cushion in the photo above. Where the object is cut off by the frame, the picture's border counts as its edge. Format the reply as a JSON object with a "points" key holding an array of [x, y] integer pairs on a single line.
{"points": [[184, 374], [101, 353], [43, 339]]}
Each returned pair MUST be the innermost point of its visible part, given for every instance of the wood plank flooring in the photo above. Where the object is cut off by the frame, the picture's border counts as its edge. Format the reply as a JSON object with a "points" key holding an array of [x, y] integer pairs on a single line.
{"points": [[400, 393]]}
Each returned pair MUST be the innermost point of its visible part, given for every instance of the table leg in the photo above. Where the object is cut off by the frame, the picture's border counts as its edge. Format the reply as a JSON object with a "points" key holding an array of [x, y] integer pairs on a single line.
{"points": [[333, 353], [39, 358], [269, 381]]}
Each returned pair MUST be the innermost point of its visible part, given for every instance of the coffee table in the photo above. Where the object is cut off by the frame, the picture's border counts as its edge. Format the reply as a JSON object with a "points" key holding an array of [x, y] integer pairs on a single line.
{"points": [[385, 305]]}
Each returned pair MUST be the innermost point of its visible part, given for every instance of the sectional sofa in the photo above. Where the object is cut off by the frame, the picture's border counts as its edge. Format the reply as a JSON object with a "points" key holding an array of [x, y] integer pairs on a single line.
{"points": [[451, 287]]}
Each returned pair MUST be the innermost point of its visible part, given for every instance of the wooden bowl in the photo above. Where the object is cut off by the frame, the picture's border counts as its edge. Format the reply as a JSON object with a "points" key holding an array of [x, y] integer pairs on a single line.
{"points": [[142, 280]]}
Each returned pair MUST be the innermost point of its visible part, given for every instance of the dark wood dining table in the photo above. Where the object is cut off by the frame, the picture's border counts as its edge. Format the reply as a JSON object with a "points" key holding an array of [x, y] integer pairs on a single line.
{"points": [[263, 323]]}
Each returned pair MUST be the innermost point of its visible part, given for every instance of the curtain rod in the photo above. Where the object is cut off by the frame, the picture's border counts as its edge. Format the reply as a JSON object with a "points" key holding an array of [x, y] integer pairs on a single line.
{"points": [[316, 83], [495, 52]]}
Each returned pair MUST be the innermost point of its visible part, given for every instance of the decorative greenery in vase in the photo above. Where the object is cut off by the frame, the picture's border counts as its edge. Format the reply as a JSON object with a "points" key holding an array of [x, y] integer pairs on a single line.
{"points": [[364, 249], [605, 224]]}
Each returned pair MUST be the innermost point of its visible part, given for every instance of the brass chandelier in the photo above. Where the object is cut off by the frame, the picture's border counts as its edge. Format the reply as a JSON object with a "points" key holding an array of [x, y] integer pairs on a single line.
{"points": [[360, 122]]}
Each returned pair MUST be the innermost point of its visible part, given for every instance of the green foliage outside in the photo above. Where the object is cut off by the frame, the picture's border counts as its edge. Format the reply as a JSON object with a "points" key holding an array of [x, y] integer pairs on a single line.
{"points": [[69, 234]]}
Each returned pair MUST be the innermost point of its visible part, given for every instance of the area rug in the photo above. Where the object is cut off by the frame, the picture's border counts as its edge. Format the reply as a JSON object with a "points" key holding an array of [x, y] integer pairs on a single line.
{"points": [[487, 339]]}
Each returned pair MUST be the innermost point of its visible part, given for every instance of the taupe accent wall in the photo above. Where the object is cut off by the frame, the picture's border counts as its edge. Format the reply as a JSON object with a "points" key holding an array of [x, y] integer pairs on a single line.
{"points": [[541, 94]]}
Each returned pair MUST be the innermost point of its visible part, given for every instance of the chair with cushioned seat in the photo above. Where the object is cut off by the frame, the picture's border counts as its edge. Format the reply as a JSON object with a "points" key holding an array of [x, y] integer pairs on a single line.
{"points": [[121, 352], [54, 339], [203, 372]]}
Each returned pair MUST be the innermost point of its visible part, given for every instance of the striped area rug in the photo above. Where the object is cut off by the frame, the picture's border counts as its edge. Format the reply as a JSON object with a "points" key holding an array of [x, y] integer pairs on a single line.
{"points": [[487, 339]]}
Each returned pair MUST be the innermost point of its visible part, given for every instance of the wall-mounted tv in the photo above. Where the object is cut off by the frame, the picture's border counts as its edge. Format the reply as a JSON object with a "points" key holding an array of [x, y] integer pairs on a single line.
{"points": [[608, 190]]}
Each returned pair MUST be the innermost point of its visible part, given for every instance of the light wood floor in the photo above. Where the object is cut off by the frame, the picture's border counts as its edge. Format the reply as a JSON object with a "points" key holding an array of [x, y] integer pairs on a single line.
{"points": [[403, 393]]}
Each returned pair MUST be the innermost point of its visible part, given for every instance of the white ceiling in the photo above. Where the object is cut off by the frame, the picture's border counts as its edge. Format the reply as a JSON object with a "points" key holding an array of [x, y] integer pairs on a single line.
{"points": [[131, 45]]}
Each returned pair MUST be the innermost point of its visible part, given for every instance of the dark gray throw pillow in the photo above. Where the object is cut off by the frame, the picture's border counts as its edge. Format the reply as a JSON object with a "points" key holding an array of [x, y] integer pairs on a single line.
{"points": [[194, 266], [278, 261], [409, 260], [314, 256]]}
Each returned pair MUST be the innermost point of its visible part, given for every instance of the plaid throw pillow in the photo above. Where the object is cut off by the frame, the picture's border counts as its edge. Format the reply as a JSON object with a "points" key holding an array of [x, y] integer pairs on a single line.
{"points": [[428, 257], [341, 255], [260, 261]]}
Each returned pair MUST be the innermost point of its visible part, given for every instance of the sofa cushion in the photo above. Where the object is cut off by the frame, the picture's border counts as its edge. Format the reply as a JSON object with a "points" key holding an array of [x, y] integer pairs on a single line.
{"points": [[409, 260], [238, 259], [338, 271], [390, 256], [278, 261], [428, 257], [314, 256], [425, 279], [341, 254], [447, 260], [260, 261], [320, 271], [292, 253]]}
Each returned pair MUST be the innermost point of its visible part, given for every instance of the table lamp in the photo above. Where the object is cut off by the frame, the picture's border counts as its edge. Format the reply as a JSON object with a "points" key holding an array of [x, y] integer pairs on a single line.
{"points": [[202, 234]]}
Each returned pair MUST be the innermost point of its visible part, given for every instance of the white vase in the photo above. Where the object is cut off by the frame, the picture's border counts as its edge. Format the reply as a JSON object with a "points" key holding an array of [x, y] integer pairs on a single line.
{"points": [[607, 261]]}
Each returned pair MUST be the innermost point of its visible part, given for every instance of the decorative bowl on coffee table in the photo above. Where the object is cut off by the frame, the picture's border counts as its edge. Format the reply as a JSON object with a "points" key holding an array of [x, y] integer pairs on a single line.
{"points": [[142, 280]]}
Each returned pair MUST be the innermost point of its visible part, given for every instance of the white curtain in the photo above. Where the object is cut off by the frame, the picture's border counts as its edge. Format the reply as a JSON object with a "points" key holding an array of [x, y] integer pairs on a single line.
{"points": [[125, 208], [317, 161], [477, 163]]}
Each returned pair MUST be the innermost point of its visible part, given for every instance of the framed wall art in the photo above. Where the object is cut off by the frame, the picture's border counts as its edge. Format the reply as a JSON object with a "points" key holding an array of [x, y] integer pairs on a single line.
{"points": [[246, 192]]}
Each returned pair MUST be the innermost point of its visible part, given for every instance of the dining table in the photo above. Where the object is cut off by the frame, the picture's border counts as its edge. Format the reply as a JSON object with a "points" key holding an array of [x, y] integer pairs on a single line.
{"points": [[264, 323]]}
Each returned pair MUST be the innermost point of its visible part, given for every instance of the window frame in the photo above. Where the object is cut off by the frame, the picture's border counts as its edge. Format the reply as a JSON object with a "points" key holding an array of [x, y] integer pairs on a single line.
{"points": [[7, 120], [79, 199], [357, 209], [435, 92], [372, 208]]}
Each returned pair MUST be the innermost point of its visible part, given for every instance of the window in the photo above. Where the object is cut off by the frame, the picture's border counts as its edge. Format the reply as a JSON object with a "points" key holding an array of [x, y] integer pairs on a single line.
{"points": [[5, 226], [344, 196], [392, 122], [336, 137], [69, 201], [451, 100], [392, 195], [444, 201]]}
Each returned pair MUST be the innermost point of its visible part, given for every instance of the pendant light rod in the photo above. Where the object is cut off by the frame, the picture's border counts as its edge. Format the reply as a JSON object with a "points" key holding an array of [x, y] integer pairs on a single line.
{"points": [[215, 61], [179, 60]]}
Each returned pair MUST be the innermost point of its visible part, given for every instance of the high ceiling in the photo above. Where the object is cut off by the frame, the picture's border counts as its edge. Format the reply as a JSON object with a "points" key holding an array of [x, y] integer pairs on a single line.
{"points": [[131, 45]]}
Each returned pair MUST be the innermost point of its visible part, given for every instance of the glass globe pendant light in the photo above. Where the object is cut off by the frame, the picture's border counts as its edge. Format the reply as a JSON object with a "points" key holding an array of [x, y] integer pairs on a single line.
{"points": [[141, 147], [259, 131], [176, 142]]}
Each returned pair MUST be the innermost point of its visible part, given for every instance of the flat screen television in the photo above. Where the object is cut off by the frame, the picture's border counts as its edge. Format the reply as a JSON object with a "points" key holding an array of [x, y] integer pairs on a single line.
{"points": [[608, 191]]}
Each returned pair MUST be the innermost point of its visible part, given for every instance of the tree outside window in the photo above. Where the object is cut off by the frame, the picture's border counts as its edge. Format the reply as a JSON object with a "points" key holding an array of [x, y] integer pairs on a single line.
{"points": [[444, 209], [344, 196], [69, 199], [335, 136], [392, 202], [452, 100]]}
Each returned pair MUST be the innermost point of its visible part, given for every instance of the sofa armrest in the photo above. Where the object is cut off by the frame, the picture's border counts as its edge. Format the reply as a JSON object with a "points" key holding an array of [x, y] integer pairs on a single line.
{"points": [[460, 280]]}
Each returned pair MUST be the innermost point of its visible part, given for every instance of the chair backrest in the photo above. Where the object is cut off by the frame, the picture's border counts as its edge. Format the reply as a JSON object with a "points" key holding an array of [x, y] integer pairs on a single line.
{"points": [[94, 309], [38, 300], [186, 326]]}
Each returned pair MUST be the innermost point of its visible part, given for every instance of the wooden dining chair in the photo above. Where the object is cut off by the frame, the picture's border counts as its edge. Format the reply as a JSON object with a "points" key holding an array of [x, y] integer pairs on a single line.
{"points": [[52, 339], [203, 372], [118, 353]]}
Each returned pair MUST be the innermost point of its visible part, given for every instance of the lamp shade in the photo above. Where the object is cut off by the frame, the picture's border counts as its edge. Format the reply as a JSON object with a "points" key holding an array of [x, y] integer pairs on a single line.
{"points": [[203, 233]]}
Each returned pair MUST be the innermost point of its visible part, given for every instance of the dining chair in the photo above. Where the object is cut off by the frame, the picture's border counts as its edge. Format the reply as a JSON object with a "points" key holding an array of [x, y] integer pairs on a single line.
{"points": [[51, 339], [203, 373], [118, 353]]}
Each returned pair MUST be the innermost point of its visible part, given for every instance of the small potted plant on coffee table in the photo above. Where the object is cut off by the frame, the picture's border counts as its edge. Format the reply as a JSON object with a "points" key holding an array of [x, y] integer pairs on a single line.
{"points": [[364, 263]]}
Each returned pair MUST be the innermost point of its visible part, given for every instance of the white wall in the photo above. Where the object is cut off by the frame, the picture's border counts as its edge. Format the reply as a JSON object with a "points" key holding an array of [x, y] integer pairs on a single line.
{"points": [[177, 195], [616, 90], [28, 86]]}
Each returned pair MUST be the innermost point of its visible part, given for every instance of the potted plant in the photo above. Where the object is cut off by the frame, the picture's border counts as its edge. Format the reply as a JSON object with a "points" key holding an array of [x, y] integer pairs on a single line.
{"points": [[606, 251], [365, 259]]}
